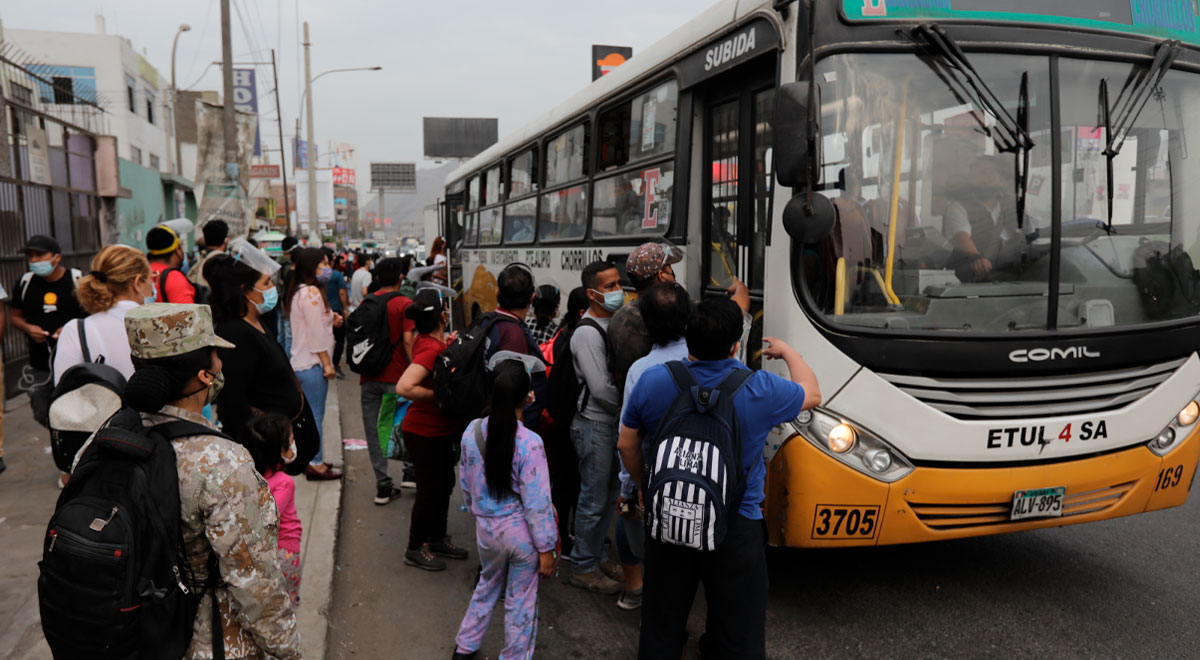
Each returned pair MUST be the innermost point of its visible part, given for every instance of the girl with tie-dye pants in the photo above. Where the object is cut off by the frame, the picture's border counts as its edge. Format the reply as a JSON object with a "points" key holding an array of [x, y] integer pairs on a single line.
{"points": [[507, 488]]}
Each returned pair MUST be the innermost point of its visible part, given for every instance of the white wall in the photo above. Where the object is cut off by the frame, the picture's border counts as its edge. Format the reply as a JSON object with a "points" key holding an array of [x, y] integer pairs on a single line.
{"points": [[113, 58]]}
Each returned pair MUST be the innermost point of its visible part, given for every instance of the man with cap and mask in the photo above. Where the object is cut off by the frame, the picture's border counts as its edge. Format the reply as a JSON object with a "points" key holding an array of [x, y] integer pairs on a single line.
{"points": [[165, 250], [226, 507], [43, 301], [649, 264]]}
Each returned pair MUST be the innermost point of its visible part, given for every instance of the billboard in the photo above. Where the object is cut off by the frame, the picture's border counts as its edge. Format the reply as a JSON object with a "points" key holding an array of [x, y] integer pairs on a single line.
{"points": [[300, 154], [458, 137], [245, 98], [607, 58], [395, 177], [344, 176]]}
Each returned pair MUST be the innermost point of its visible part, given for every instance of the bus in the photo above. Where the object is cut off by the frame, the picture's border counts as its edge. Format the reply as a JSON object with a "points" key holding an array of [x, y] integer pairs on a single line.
{"points": [[972, 221]]}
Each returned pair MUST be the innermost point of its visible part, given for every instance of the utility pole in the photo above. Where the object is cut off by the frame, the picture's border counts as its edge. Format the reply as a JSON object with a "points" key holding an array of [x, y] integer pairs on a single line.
{"points": [[312, 147], [229, 116], [287, 207]]}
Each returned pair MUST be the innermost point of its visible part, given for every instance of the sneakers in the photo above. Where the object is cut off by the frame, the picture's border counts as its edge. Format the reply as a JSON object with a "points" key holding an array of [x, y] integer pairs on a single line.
{"points": [[338, 370], [3, 467], [385, 494], [459, 655], [630, 600], [422, 558], [595, 581], [409, 478], [447, 549], [612, 570]]}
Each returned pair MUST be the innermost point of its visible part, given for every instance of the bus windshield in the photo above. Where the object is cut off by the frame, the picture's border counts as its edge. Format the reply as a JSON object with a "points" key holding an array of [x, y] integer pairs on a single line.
{"points": [[928, 190]]}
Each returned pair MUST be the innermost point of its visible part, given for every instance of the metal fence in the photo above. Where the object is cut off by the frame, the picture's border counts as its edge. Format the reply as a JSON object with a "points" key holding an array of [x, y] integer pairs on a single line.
{"points": [[47, 179]]}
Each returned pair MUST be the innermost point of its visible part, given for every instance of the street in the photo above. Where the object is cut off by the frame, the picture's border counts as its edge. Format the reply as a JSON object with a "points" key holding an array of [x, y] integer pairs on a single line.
{"points": [[1125, 588]]}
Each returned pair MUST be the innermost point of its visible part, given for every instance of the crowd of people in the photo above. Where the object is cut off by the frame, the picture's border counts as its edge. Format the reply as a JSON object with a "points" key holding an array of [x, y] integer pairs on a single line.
{"points": [[562, 445]]}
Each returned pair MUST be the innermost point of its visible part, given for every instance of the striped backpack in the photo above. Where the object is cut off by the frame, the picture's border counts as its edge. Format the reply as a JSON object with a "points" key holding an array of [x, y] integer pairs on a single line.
{"points": [[696, 475]]}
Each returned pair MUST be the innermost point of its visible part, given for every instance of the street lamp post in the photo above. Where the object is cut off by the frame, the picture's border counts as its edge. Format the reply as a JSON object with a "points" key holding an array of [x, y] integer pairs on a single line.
{"points": [[306, 108], [169, 124]]}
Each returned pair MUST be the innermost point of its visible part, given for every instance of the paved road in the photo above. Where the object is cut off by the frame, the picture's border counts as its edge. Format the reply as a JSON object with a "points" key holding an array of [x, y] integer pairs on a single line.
{"points": [[1126, 588]]}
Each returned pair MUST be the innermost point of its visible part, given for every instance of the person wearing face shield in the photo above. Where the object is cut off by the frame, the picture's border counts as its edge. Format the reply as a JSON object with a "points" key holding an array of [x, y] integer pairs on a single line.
{"points": [[259, 375], [165, 250]]}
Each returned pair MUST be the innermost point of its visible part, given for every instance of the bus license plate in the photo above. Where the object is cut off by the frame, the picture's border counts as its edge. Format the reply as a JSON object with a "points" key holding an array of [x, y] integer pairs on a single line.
{"points": [[1038, 503]]}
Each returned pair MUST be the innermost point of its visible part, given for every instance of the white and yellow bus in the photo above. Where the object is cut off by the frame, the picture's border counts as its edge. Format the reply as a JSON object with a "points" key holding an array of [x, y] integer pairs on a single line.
{"points": [[973, 222]]}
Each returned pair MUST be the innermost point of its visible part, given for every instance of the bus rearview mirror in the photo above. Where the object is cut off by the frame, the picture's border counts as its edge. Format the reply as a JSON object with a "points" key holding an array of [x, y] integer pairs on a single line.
{"points": [[809, 223], [792, 145]]}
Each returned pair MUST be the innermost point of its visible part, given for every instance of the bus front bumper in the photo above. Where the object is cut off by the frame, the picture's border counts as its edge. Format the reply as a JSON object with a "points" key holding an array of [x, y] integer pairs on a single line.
{"points": [[813, 500]]}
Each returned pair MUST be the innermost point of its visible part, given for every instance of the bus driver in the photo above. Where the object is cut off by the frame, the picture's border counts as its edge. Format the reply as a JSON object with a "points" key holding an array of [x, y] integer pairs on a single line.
{"points": [[980, 224]]}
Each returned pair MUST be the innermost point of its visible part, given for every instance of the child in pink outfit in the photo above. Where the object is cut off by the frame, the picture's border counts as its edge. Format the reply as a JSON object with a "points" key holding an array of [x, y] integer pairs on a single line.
{"points": [[269, 440]]}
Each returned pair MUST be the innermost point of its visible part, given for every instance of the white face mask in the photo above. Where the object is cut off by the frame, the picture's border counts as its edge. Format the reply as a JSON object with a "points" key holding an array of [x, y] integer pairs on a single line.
{"points": [[291, 457]]}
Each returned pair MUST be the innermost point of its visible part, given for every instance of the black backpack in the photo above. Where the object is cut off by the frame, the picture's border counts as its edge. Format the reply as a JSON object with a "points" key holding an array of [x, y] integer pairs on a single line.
{"points": [[201, 295], [1166, 279], [565, 385], [696, 477], [86, 397], [460, 382], [114, 579], [369, 346]]}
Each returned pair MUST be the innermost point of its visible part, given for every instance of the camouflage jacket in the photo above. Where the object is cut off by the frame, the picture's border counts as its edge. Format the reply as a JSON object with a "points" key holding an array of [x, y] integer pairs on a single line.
{"points": [[227, 507]]}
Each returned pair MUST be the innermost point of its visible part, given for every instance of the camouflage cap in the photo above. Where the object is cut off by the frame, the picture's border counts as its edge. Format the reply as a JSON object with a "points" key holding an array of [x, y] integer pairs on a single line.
{"points": [[162, 330]]}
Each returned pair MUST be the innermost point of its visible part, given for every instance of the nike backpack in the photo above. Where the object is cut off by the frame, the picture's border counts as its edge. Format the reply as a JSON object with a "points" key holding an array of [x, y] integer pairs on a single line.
{"points": [[114, 582], [369, 346], [696, 476]]}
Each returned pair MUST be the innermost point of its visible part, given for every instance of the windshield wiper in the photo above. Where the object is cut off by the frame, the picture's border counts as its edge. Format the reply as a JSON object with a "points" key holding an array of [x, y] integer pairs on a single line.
{"points": [[1130, 107], [1013, 136], [1022, 160]]}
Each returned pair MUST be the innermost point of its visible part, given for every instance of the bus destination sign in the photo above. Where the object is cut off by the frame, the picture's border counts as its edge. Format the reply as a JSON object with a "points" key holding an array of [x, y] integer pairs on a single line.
{"points": [[1168, 19]]}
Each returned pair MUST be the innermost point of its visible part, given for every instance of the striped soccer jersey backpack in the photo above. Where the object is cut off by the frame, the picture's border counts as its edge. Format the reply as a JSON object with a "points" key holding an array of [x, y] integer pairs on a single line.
{"points": [[696, 475]]}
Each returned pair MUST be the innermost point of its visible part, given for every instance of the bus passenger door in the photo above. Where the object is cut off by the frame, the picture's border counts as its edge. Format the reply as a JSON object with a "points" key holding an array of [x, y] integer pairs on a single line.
{"points": [[736, 186]]}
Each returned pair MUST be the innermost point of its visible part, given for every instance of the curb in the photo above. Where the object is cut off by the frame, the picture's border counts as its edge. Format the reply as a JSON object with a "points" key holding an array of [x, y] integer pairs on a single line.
{"points": [[319, 505]]}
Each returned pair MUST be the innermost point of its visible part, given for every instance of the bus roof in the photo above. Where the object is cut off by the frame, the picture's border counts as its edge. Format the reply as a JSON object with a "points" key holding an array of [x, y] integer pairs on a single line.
{"points": [[674, 45]]}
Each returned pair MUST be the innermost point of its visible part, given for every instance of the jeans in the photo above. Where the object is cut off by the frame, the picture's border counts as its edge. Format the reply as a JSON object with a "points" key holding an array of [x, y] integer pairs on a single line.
{"points": [[564, 481], [372, 395], [734, 576], [433, 459], [595, 445], [315, 387]]}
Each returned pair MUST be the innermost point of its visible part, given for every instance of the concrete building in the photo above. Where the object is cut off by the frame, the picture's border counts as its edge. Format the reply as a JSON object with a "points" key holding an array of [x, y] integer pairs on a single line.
{"points": [[106, 69]]}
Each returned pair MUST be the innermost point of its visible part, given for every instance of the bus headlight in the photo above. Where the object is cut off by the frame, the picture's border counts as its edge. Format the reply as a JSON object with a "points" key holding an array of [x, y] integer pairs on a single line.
{"points": [[841, 438], [1167, 439], [879, 460], [852, 445], [1188, 415]]}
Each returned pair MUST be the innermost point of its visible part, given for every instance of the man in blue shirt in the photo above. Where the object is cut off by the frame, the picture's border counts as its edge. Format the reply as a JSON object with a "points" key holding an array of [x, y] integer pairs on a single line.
{"points": [[734, 574]]}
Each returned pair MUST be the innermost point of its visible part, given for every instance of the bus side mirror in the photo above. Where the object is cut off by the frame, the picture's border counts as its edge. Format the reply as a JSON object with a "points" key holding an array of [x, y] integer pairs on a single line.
{"points": [[807, 223], [795, 149]]}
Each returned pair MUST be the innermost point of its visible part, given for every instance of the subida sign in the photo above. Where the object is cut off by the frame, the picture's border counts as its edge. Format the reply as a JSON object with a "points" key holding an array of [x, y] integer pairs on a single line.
{"points": [[724, 53]]}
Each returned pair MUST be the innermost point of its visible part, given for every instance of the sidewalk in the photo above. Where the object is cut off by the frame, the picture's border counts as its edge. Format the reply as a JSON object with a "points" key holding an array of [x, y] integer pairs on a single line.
{"points": [[27, 497]]}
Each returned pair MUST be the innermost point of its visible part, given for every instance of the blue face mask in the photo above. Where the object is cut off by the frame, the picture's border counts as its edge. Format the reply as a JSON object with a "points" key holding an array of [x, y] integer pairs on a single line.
{"points": [[153, 297], [613, 300], [270, 299], [324, 274], [184, 265], [42, 268]]}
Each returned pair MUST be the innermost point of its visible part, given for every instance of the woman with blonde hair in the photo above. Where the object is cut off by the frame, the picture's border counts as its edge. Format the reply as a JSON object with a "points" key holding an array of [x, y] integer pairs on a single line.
{"points": [[120, 279]]}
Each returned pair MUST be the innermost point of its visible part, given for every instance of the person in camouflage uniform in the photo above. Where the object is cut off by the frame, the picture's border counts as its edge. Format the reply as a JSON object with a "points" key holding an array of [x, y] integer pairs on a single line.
{"points": [[226, 506]]}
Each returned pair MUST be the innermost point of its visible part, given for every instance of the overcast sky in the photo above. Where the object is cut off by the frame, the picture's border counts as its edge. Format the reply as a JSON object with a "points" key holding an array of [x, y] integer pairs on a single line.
{"points": [[511, 59]]}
